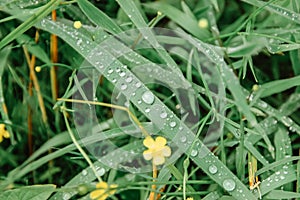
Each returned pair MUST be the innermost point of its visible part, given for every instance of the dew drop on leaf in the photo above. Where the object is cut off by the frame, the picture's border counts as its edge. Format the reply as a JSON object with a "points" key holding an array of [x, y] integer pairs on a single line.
{"points": [[213, 169], [123, 87], [172, 124], [194, 152], [100, 171], [229, 185], [84, 172], [183, 139], [163, 115], [148, 97], [128, 79]]}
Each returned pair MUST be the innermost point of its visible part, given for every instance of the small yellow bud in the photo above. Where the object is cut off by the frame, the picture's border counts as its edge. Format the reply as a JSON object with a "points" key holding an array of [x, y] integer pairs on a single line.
{"points": [[77, 24], [203, 23], [255, 87], [159, 13], [38, 68]]}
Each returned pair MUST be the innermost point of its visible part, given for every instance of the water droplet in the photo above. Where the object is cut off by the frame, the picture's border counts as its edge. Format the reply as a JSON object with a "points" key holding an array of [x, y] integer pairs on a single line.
{"points": [[128, 79], [148, 97], [213, 169], [277, 173], [282, 177], [110, 71], [263, 104], [101, 171], [139, 101], [147, 110], [126, 104], [180, 128], [123, 87], [183, 139], [66, 196], [194, 152], [287, 121], [122, 74], [114, 80], [172, 124], [163, 115], [138, 84], [84, 172], [229, 185]]}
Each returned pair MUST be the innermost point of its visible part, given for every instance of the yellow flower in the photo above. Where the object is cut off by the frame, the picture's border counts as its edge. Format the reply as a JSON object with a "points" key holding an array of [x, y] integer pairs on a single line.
{"points": [[190, 198], [157, 150], [38, 68], [203, 23], [77, 24], [3, 133], [103, 191], [255, 87]]}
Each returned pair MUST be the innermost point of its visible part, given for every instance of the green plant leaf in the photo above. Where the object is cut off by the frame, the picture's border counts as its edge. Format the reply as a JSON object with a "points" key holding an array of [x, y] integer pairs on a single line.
{"points": [[34, 192]]}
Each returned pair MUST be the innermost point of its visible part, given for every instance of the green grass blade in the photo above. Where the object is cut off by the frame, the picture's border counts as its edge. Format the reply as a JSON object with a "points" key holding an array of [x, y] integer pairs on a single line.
{"points": [[33, 192], [4, 53], [44, 11], [284, 12], [280, 194], [98, 17], [277, 86], [183, 19]]}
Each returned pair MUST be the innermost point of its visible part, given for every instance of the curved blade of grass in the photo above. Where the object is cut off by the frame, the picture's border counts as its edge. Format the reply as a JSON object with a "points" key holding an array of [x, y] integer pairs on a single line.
{"points": [[98, 17], [32, 165], [284, 12], [183, 19], [277, 86], [33, 48], [232, 83], [32, 192], [280, 194], [278, 179], [43, 11], [135, 16], [212, 196], [4, 53]]}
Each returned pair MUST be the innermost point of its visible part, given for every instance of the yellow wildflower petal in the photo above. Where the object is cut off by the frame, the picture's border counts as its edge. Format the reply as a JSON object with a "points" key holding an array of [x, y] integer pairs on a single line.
{"points": [[98, 194], [1, 138], [158, 160], [190, 198], [166, 151], [102, 185], [149, 142], [2, 128], [6, 134], [147, 154], [160, 141], [112, 189]]}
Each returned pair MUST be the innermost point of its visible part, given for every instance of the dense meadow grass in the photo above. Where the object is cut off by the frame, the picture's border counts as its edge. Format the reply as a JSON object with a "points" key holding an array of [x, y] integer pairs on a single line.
{"points": [[139, 99]]}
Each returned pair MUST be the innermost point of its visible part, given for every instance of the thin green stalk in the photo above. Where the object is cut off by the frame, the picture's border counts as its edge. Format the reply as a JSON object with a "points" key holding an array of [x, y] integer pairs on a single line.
{"points": [[77, 145]]}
